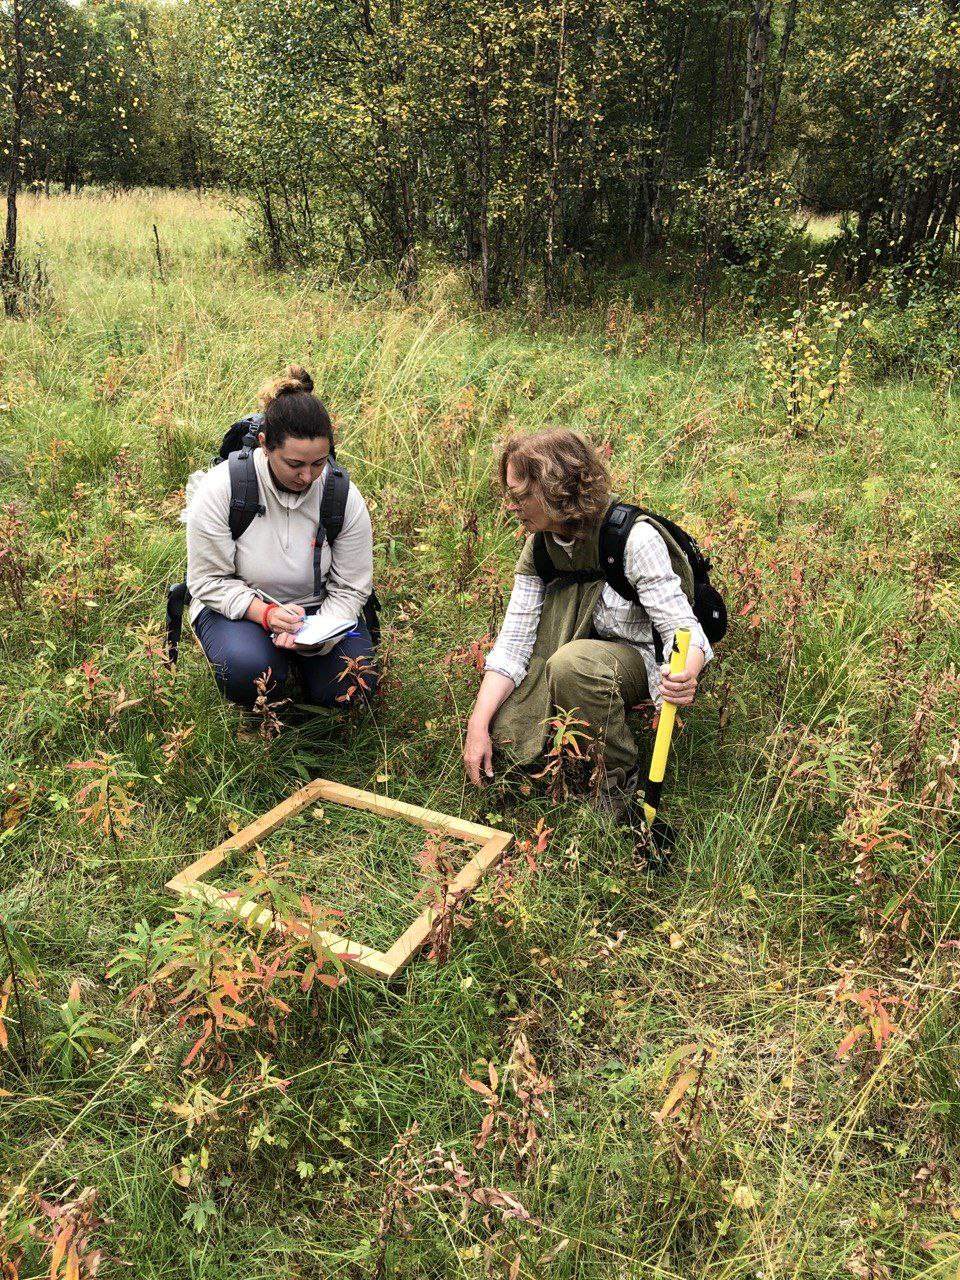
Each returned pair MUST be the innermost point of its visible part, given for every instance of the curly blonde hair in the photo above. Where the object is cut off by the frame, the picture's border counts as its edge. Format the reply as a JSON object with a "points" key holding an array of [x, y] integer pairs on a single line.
{"points": [[569, 474]]}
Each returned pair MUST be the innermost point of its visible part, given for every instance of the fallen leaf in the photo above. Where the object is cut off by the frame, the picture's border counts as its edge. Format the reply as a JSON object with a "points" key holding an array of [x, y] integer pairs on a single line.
{"points": [[743, 1197], [553, 1253]]}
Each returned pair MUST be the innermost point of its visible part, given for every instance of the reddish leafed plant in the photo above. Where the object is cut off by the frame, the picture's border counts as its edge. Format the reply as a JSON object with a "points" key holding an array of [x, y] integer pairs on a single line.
{"points": [[437, 863], [357, 679], [68, 1238], [513, 1127], [875, 1018]]}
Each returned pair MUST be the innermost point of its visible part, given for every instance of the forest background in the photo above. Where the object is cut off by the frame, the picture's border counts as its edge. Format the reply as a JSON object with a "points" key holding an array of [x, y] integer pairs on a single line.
{"points": [[721, 241], [533, 142]]}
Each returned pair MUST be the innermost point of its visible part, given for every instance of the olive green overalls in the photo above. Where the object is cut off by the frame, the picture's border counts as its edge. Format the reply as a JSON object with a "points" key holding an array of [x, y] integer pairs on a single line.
{"points": [[570, 668]]}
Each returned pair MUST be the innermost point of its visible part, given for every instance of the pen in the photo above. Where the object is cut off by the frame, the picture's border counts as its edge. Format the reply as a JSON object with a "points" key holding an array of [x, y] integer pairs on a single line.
{"points": [[271, 600]]}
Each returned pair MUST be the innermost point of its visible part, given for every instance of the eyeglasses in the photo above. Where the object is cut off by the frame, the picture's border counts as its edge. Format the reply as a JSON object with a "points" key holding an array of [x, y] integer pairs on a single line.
{"points": [[517, 496]]}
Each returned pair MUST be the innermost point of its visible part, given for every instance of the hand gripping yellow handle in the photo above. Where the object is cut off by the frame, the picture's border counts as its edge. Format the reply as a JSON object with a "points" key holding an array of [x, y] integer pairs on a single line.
{"points": [[668, 714]]}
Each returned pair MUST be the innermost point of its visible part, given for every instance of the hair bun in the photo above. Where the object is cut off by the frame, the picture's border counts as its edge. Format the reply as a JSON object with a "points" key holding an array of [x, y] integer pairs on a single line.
{"points": [[293, 380], [297, 379]]}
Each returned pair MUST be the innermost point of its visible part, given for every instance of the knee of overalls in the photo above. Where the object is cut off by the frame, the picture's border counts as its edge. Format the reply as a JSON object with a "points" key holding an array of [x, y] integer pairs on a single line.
{"points": [[572, 664]]}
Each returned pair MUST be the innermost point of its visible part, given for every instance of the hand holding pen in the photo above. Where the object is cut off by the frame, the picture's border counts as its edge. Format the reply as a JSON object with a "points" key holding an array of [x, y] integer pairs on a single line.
{"points": [[284, 620]]}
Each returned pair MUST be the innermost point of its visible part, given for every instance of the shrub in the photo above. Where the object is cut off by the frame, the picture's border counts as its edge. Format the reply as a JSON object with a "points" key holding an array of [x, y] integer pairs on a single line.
{"points": [[916, 336], [807, 360], [738, 224]]}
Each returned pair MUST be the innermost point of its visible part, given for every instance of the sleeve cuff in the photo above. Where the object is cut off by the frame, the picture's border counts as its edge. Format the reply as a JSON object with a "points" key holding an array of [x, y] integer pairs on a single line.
{"points": [[697, 641], [240, 604], [503, 667], [701, 641]]}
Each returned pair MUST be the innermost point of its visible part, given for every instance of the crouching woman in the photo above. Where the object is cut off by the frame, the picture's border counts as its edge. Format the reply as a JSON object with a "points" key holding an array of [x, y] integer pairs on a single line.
{"points": [[250, 595], [583, 647]]}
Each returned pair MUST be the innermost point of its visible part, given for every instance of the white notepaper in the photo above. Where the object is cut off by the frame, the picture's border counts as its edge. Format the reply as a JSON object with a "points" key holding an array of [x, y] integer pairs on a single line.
{"points": [[318, 630]]}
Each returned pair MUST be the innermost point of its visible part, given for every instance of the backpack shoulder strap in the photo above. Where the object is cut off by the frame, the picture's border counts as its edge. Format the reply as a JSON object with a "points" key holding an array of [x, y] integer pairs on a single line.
{"points": [[679, 559], [333, 506], [555, 579], [244, 492], [542, 563], [614, 533]]}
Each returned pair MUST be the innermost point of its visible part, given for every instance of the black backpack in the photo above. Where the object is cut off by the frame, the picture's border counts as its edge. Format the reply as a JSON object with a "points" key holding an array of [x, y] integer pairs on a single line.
{"points": [[689, 563], [237, 449]]}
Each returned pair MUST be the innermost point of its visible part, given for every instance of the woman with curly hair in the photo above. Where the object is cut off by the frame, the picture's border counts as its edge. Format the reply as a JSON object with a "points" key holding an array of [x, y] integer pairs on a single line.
{"points": [[250, 596], [585, 646]]}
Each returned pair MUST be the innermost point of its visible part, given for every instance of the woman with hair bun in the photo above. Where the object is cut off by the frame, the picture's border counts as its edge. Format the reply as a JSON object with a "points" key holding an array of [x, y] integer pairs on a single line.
{"points": [[250, 595], [576, 644]]}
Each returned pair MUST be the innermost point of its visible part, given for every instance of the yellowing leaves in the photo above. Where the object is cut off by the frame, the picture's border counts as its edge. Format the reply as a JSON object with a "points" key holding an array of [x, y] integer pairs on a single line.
{"points": [[683, 1077], [743, 1197], [674, 937], [685, 1081]]}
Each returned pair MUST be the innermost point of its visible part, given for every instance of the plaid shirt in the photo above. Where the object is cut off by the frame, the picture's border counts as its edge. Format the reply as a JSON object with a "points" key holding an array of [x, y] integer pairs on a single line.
{"points": [[662, 605]]}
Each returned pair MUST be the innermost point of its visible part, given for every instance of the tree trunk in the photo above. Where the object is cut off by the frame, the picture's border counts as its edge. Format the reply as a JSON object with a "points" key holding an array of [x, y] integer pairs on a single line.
{"points": [[578, 221], [766, 141], [409, 262], [480, 99], [526, 235], [668, 114], [273, 231], [403, 214], [712, 92], [947, 215], [9, 266], [729, 65], [553, 151], [757, 40]]}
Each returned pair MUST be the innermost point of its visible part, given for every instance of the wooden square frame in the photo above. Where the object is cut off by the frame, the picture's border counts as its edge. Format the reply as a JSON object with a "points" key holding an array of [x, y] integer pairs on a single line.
{"points": [[379, 964]]}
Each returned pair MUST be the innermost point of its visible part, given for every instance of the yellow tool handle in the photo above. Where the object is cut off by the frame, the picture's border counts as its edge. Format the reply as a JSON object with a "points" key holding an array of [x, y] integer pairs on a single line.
{"points": [[668, 714]]}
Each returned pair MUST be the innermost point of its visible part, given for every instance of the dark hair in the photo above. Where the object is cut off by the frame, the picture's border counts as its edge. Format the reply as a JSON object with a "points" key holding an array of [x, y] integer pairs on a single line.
{"points": [[290, 408]]}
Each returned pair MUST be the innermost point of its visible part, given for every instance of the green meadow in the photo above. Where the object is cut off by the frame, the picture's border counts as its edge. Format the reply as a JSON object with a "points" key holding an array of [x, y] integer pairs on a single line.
{"points": [[743, 1066]]}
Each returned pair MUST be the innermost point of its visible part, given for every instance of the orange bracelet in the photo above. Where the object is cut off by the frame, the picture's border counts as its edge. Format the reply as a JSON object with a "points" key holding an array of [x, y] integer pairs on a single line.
{"points": [[265, 620]]}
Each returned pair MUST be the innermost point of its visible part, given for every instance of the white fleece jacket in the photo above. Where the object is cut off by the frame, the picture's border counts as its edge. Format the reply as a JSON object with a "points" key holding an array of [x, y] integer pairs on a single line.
{"points": [[275, 554]]}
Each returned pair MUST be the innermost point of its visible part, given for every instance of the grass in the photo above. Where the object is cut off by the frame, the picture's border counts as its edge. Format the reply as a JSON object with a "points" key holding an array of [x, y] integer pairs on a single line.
{"points": [[361, 871], [681, 1033]]}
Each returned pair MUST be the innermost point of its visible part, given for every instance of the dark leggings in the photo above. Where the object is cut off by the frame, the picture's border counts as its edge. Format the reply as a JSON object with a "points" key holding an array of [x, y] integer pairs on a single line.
{"points": [[241, 651]]}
